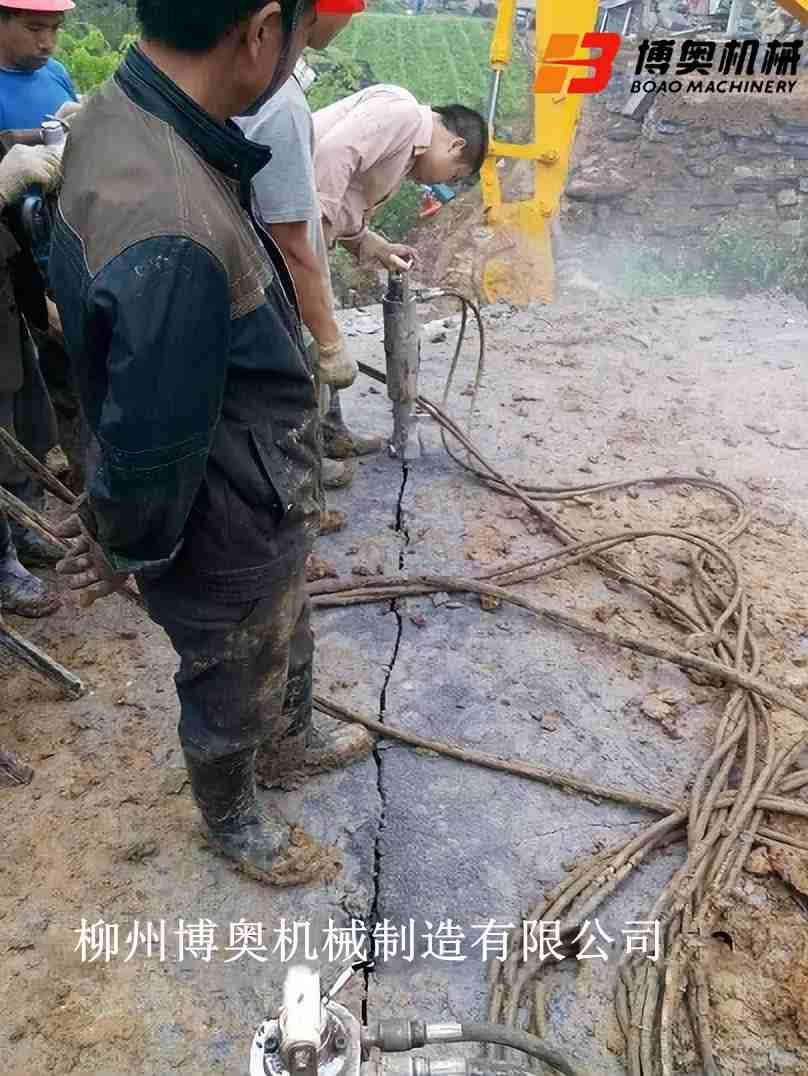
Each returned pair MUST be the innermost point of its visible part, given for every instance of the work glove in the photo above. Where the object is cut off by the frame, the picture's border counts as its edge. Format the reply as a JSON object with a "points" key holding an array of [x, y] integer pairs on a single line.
{"points": [[86, 565], [335, 366], [23, 166], [68, 111]]}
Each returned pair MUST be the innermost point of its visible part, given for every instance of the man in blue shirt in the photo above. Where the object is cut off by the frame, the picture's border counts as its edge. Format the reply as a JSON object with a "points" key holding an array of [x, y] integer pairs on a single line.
{"points": [[32, 84]]}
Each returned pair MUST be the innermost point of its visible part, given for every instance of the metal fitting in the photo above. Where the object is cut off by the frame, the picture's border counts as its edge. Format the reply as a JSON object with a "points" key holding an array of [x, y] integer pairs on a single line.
{"points": [[53, 132], [443, 1032], [300, 1020], [300, 1059], [396, 1036]]}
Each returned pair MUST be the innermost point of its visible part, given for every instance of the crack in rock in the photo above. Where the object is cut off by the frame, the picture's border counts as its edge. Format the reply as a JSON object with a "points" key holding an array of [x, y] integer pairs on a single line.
{"points": [[377, 755]]}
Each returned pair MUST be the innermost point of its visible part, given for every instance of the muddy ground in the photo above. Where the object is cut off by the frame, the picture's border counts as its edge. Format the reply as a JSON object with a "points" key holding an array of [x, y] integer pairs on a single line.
{"points": [[591, 388]]}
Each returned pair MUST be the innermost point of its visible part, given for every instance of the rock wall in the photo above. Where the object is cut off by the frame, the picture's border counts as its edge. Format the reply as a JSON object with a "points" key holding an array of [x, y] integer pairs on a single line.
{"points": [[756, 16], [683, 162]]}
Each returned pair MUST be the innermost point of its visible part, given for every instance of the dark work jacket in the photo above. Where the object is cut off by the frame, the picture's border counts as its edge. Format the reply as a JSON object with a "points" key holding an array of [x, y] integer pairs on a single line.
{"points": [[184, 335], [10, 326], [22, 302]]}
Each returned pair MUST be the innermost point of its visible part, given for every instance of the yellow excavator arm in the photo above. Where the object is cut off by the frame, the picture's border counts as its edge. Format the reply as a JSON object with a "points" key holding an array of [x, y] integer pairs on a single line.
{"points": [[520, 267], [797, 8]]}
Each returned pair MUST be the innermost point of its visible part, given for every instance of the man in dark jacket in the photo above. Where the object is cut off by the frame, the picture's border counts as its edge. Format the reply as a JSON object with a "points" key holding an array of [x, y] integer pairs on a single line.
{"points": [[184, 336]]}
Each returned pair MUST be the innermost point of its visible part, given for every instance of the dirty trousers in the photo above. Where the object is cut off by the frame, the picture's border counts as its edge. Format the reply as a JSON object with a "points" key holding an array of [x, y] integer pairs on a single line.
{"points": [[245, 675], [29, 416]]}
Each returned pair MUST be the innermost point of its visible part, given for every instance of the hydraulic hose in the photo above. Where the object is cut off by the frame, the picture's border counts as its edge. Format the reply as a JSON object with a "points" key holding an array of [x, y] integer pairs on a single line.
{"points": [[715, 618], [517, 1040], [402, 1035]]}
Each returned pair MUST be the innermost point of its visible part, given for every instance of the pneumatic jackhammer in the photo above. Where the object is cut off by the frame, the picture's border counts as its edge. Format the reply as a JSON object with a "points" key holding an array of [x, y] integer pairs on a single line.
{"points": [[30, 218], [402, 348]]}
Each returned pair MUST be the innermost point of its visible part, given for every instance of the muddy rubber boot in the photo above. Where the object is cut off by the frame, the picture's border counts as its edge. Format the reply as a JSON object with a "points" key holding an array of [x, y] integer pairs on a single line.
{"points": [[340, 443], [338, 473], [332, 521], [317, 569], [326, 746], [268, 849], [20, 592], [31, 549], [308, 749], [57, 461]]}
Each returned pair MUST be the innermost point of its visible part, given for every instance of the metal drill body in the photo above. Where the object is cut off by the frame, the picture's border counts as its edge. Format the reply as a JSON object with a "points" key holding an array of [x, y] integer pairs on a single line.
{"points": [[402, 348]]}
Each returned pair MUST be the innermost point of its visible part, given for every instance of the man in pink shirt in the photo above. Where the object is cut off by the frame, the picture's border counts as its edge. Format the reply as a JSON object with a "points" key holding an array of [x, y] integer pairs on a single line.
{"points": [[365, 147]]}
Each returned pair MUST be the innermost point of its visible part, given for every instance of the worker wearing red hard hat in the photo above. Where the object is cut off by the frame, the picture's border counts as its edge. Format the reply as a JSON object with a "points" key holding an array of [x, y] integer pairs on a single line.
{"points": [[339, 7], [32, 84]]}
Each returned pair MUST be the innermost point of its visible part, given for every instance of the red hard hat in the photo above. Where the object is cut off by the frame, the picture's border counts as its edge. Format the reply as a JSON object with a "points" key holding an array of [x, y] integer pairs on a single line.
{"points": [[46, 7], [340, 7]]}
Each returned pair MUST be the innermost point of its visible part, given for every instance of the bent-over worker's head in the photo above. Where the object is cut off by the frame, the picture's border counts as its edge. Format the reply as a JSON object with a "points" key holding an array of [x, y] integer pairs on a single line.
{"points": [[29, 31], [458, 148], [332, 17], [251, 45]]}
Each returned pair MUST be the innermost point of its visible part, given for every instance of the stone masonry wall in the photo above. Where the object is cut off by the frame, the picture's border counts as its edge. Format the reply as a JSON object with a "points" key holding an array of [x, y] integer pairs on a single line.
{"points": [[690, 161]]}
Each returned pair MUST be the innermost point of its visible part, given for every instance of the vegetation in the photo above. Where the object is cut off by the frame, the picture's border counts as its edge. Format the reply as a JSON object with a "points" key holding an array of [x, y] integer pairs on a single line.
{"points": [[441, 59], [397, 218], [86, 54], [728, 259], [338, 76], [740, 260], [115, 19]]}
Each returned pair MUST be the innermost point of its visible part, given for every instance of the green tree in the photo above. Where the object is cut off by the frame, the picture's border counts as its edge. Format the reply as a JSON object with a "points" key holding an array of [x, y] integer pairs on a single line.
{"points": [[338, 76], [88, 56], [397, 218], [116, 19]]}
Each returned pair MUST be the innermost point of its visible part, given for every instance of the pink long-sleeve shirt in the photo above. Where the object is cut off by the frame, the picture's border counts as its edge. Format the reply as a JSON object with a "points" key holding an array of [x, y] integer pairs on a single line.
{"points": [[364, 147]]}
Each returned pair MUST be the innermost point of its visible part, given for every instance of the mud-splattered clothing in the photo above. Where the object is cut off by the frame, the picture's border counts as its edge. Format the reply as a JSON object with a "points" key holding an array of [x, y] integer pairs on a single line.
{"points": [[11, 340], [184, 337], [26, 411], [245, 675], [27, 415]]}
